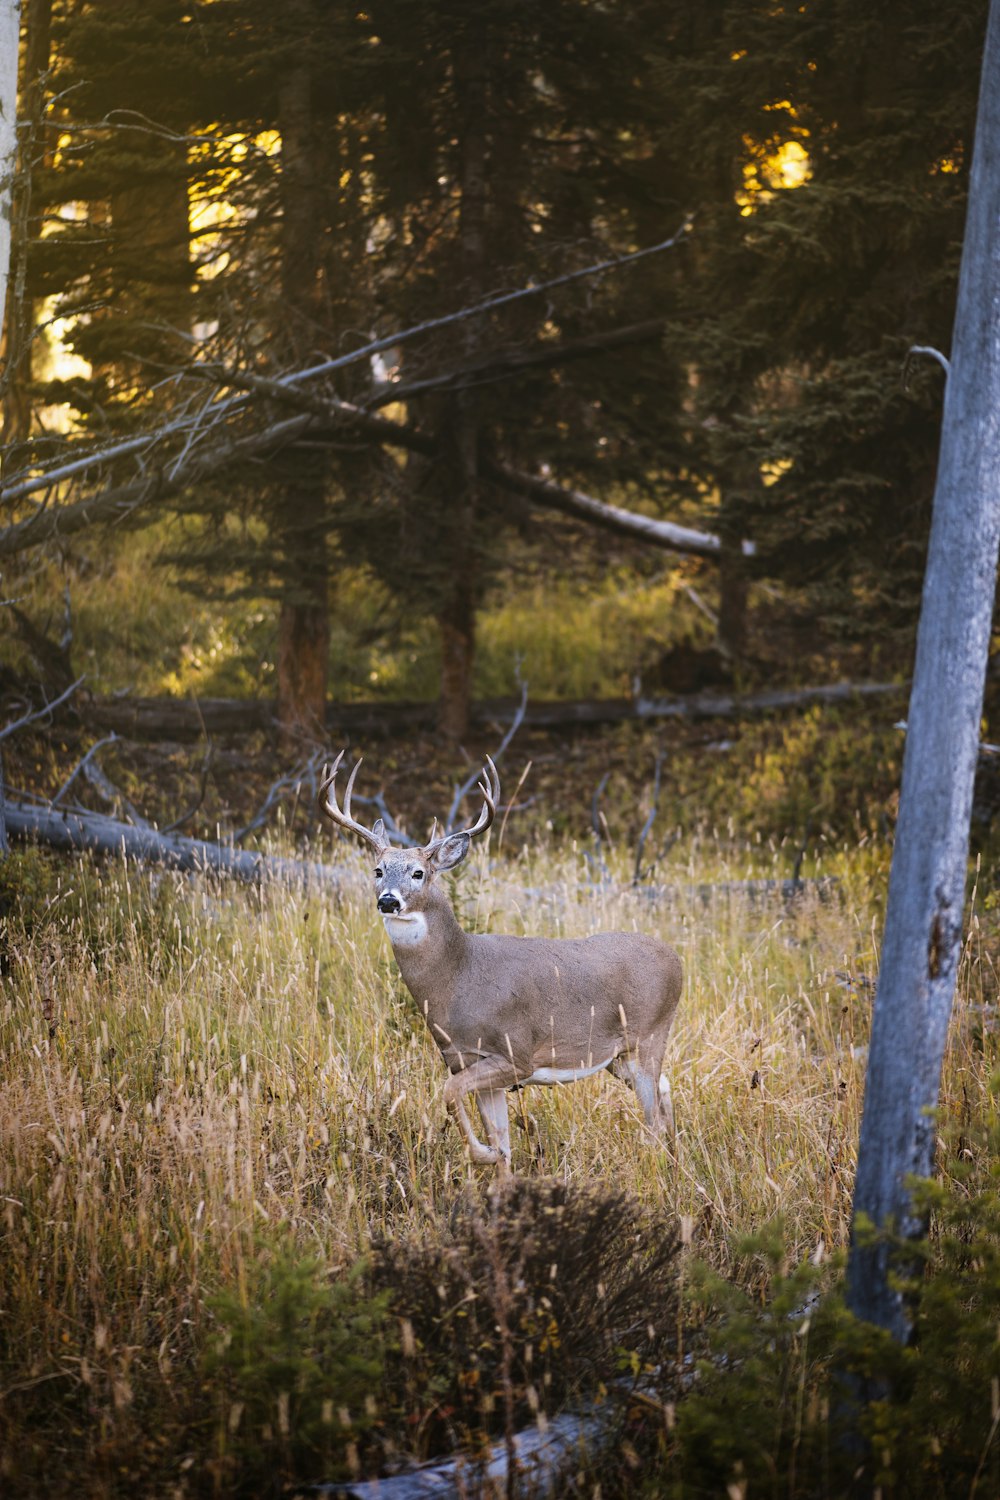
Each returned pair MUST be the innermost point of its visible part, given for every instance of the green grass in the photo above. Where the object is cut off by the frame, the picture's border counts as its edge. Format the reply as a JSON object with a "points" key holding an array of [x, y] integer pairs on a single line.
{"points": [[185, 1068], [137, 629]]}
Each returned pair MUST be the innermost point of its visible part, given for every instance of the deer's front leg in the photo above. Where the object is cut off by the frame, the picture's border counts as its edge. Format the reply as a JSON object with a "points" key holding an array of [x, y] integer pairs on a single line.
{"points": [[488, 1079]]}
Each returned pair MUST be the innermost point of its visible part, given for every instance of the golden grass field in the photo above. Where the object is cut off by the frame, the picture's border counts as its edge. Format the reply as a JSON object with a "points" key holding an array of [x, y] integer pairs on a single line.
{"points": [[184, 1065]]}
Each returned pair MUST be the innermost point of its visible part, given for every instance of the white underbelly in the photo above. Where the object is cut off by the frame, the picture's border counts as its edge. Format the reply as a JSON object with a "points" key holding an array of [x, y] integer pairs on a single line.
{"points": [[566, 1075]]}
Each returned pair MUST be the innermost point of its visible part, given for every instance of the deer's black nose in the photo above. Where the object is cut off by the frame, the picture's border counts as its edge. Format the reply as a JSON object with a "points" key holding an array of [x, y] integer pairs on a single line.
{"points": [[388, 903]]}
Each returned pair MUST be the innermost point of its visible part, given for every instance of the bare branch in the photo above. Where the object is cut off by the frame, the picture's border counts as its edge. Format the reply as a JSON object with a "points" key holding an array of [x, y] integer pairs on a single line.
{"points": [[109, 739], [392, 828], [503, 364], [37, 482], [666, 534], [186, 816], [931, 352], [461, 792], [40, 713], [307, 771], [646, 827]]}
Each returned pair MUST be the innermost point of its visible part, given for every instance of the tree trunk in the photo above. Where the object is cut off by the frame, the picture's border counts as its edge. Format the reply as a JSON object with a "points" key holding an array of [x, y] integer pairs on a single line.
{"points": [[457, 619], [10, 31], [924, 917], [301, 514]]}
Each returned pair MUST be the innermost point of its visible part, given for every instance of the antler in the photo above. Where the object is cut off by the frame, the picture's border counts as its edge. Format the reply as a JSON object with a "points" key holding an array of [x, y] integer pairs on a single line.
{"points": [[342, 817], [489, 785]]}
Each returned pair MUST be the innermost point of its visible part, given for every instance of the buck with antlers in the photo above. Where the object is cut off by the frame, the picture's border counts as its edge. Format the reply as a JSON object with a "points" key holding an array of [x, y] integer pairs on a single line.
{"points": [[507, 1011]]}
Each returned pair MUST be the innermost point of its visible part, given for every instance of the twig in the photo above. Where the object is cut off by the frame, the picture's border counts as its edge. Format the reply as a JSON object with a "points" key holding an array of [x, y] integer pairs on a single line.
{"points": [[699, 603], [640, 846], [186, 817], [40, 713], [931, 352], [596, 819], [392, 828], [306, 771], [109, 739], [461, 792]]}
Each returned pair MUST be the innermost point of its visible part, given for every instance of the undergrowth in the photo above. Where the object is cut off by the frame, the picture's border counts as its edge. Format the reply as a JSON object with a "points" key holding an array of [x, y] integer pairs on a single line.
{"points": [[240, 1245]]}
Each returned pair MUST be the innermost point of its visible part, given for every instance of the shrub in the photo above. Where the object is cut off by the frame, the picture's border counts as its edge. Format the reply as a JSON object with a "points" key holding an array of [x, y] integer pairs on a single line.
{"points": [[295, 1367], [544, 1294], [775, 1404]]}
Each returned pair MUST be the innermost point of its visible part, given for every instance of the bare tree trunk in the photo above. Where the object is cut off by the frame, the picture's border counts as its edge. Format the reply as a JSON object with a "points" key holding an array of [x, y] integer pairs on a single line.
{"points": [[301, 519], [457, 619], [924, 918]]}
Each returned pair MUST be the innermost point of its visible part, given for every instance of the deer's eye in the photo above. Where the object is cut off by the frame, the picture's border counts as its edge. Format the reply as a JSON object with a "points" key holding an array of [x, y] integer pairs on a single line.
{"points": [[379, 872], [418, 874]]}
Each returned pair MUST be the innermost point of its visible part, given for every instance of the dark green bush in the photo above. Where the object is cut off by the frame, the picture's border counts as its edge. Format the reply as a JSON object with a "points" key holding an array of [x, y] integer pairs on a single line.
{"points": [[294, 1371]]}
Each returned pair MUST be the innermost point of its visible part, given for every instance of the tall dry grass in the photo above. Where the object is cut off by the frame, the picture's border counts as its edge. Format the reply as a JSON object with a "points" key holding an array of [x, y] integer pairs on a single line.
{"points": [[184, 1066]]}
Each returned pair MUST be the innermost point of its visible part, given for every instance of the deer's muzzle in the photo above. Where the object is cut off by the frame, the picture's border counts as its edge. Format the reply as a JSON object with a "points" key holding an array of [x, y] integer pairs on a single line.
{"points": [[388, 903]]}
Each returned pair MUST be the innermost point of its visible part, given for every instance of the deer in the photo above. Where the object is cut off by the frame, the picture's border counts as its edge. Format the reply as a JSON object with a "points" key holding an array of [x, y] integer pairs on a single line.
{"points": [[508, 1011]]}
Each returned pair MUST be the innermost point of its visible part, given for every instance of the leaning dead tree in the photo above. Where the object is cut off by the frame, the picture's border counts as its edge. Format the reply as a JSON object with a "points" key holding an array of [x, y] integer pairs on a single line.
{"points": [[922, 943], [222, 416]]}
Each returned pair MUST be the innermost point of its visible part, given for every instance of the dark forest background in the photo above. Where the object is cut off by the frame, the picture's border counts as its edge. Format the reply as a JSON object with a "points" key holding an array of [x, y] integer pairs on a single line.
{"points": [[213, 197]]}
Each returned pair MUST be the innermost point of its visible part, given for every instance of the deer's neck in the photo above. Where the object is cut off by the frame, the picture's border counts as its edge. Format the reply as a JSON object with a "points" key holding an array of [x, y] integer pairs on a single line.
{"points": [[429, 947]]}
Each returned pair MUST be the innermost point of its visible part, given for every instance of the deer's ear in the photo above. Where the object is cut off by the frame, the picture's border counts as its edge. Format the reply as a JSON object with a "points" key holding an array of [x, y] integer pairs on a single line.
{"points": [[378, 831], [451, 851]]}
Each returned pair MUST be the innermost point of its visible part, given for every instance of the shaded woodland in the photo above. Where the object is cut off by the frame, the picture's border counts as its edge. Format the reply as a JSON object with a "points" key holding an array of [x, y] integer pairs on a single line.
{"points": [[609, 389], [221, 208]]}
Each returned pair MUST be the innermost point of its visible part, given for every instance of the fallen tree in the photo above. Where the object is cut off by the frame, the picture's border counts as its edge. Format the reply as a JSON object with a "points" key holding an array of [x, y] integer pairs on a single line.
{"points": [[79, 831], [177, 719]]}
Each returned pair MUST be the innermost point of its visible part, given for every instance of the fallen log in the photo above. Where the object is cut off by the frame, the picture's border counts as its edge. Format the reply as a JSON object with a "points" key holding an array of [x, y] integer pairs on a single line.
{"points": [[177, 719], [76, 831], [542, 1456]]}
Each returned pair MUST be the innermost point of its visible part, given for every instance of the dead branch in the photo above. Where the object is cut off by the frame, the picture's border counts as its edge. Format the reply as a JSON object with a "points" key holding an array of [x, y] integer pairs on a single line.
{"points": [[504, 364], [461, 792], [307, 771], [40, 713], [31, 485], [81, 765], [651, 818], [583, 507], [186, 816], [120, 502]]}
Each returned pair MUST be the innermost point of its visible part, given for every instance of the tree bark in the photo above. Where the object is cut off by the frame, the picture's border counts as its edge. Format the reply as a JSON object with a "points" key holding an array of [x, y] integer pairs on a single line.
{"points": [[301, 515], [457, 618], [924, 917]]}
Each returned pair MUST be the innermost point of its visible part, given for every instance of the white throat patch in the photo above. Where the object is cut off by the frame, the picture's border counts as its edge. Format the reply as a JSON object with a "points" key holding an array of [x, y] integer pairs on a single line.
{"points": [[406, 929]]}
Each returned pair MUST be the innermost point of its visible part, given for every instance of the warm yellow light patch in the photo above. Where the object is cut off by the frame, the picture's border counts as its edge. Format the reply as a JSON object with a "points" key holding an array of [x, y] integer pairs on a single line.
{"points": [[765, 172], [772, 471]]}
